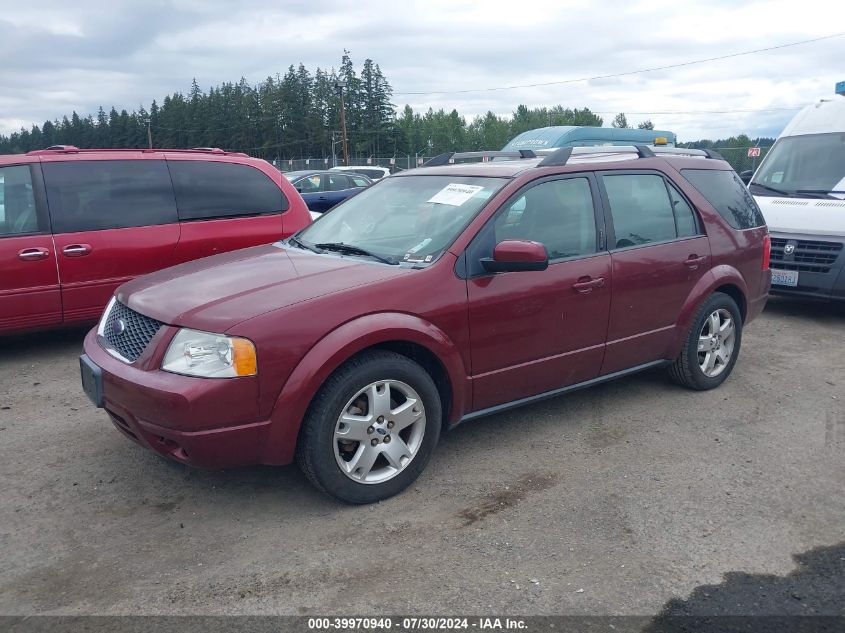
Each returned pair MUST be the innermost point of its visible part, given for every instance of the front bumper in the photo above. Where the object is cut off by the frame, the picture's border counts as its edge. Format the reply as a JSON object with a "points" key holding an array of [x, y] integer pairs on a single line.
{"points": [[210, 423], [818, 260]]}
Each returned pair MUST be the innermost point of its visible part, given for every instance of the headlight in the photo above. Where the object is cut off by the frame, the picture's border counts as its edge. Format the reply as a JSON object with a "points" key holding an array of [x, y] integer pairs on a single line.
{"points": [[207, 355]]}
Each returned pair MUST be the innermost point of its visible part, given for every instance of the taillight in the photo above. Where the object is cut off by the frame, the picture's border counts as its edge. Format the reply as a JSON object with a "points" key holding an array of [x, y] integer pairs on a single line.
{"points": [[767, 252]]}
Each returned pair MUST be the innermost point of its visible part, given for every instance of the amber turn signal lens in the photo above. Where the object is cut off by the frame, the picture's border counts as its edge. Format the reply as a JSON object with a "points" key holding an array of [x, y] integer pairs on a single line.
{"points": [[243, 357]]}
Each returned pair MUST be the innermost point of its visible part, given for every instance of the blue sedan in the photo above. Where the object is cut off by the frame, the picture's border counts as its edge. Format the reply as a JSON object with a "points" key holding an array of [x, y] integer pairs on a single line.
{"points": [[322, 190]]}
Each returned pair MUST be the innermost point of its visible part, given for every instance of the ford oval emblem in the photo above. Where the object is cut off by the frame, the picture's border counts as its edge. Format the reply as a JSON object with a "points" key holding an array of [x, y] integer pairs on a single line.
{"points": [[118, 327]]}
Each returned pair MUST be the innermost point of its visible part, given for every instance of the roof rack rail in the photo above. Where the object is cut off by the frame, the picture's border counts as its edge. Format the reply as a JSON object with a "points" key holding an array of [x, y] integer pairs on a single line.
{"points": [[54, 148], [713, 154], [450, 157], [559, 157]]}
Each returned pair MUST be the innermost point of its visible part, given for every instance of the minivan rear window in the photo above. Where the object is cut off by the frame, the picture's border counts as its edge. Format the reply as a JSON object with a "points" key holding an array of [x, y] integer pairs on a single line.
{"points": [[207, 189], [108, 194], [725, 191]]}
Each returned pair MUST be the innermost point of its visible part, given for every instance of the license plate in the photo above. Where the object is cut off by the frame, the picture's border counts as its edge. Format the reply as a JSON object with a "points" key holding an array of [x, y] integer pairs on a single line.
{"points": [[92, 380], [785, 278]]}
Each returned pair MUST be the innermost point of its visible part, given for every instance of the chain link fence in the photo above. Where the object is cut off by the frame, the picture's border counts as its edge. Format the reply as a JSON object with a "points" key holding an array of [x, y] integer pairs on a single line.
{"points": [[393, 163]]}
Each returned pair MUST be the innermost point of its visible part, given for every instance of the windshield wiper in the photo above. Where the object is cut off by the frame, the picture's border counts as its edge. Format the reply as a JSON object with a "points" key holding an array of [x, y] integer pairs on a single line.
{"points": [[298, 242], [774, 189], [824, 192], [351, 249]]}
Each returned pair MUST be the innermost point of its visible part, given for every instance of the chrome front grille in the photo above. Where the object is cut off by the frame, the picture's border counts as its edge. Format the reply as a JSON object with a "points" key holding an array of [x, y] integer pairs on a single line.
{"points": [[128, 332], [812, 256]]}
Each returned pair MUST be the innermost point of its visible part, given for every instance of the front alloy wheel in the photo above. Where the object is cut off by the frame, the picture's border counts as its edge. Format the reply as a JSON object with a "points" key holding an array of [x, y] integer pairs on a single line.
{"points": [[371, 428], [379, 432]]}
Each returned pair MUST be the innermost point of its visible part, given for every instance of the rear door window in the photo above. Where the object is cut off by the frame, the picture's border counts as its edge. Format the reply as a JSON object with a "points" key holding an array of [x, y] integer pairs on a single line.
{"points": [[641, 210], [17, 203], [360, 181], [338, 182], [725, 191], [106, 194], [209, 189]]}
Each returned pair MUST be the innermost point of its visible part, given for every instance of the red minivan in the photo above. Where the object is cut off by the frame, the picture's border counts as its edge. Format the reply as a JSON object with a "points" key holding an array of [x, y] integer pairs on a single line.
{"points": [[436, 296], [75, 224]]}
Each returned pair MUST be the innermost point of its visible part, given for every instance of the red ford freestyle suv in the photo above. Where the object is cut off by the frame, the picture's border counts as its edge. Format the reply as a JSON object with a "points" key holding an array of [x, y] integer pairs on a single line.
{"points": [[75, 224], [437, 295]]}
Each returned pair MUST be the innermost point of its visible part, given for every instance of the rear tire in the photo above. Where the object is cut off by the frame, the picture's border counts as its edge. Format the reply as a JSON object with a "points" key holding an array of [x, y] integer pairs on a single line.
{"points": [[371, 428], [712, 345]]}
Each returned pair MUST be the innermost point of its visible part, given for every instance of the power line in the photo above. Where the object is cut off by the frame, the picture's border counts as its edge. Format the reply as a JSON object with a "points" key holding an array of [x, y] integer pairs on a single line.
{"points": [[626, 73]]}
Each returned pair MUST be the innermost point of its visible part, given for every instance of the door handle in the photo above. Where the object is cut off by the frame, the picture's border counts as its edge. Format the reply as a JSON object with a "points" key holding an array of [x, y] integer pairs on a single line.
{"points": [[76, 250], [32, 254], [693, 261], [586, 284]]}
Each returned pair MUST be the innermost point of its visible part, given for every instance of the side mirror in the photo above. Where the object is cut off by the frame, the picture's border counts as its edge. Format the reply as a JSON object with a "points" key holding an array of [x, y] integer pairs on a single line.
{"points": [[516, 256], [745, 176]]}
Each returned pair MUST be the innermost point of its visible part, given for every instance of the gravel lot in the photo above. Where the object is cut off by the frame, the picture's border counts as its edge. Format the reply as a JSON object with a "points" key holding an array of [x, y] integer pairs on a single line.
{"points": [[614, 500]]}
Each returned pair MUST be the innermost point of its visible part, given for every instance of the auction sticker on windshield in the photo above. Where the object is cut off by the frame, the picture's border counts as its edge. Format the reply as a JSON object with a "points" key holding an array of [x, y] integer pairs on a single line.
{"points": [[455, 194]]}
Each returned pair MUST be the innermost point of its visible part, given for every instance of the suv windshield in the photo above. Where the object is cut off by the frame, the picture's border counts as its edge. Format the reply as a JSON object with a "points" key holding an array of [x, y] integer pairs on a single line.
{"points": [[405, 218], [811, 165]]}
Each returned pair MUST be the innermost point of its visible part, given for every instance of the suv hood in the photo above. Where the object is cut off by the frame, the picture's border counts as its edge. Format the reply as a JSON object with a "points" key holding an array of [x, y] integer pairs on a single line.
{"points": [[216, 293], [803, 215]]}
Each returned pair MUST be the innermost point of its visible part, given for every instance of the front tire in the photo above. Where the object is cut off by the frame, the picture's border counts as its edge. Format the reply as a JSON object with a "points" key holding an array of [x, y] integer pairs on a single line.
{"points": [[371, 428], [712, 345]]}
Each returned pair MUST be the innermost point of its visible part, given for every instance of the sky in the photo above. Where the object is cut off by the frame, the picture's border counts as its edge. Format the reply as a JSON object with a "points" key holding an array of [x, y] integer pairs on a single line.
{"points": [[61, 56]]}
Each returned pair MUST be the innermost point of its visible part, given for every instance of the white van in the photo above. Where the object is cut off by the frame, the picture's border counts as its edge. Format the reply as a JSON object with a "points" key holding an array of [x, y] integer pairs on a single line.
{"points": [[800, 187]]}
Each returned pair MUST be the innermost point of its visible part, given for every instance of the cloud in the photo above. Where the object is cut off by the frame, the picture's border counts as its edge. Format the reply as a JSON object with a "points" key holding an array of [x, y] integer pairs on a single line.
{"points": [[60, 57]]}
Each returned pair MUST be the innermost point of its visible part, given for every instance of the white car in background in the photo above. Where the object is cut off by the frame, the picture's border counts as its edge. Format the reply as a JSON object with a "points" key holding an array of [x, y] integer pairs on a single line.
{"points": [[371, 172]]}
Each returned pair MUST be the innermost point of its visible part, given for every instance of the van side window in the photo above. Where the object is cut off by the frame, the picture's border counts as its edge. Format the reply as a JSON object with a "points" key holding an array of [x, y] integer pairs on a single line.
{"points": [[17, 203], [108, 194], [208, 189], [641, 209]]}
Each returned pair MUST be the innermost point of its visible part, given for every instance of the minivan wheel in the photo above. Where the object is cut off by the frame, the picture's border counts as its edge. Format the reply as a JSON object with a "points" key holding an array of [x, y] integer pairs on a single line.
{"points": [[712, 345], [371, 428]]}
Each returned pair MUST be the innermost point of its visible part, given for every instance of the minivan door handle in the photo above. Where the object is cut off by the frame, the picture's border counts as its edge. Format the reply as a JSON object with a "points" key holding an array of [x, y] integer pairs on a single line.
{"points": [[76, 250], [694, 261], [32, 254], [586, 284]]}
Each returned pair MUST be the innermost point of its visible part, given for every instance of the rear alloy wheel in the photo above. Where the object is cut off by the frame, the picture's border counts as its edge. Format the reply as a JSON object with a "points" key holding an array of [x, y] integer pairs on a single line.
{"points": [[716, 343], [712, 345], [371, 428]]}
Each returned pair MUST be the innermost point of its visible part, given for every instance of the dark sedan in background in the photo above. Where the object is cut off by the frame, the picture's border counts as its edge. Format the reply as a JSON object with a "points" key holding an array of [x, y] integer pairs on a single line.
{"points": [[322, 190]]}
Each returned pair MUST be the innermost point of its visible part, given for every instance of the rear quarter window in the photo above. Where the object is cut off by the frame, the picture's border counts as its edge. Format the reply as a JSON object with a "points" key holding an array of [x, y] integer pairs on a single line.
{"points": [[725, 191], [207, 190]]}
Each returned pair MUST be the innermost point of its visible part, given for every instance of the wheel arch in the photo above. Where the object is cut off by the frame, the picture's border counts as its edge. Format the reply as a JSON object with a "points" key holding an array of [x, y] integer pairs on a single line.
{"points": [[402, 333], [719, 279]]}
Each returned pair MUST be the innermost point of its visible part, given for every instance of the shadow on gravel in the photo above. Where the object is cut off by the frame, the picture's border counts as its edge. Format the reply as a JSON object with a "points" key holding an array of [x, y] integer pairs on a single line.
{"points": [[48, 341], [833, 311], [763, 602]]}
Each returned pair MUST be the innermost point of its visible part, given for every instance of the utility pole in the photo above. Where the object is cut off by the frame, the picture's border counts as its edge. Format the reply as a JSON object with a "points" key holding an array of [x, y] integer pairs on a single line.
{"points": [[149, 135], [339, 86]]}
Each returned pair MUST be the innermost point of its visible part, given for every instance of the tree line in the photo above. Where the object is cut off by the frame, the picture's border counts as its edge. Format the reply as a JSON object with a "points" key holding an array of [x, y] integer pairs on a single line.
{"points": [[297, 115]]}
